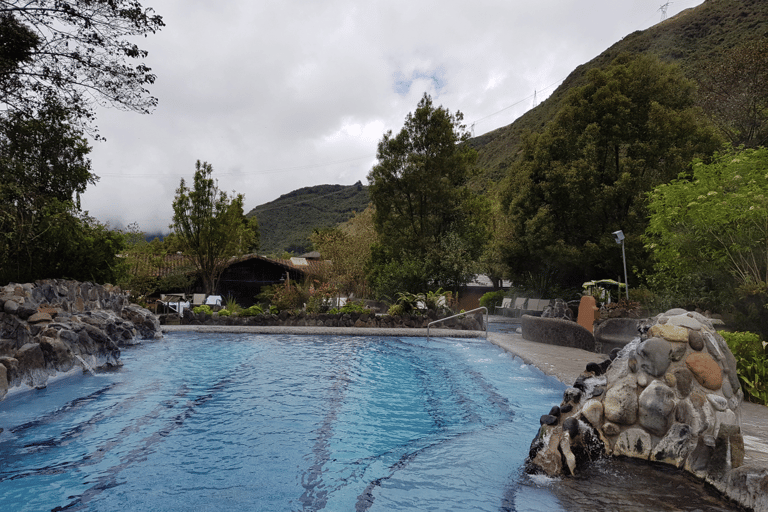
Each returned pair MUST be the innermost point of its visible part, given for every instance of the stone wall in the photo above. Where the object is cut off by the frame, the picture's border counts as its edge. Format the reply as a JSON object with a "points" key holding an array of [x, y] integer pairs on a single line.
{"points": [[472, 322], [53, 326], [557, 331]]}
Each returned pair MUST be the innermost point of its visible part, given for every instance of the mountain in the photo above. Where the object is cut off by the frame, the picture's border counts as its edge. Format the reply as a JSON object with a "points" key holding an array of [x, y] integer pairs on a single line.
{"points": [[287, 222], [693, 38]]}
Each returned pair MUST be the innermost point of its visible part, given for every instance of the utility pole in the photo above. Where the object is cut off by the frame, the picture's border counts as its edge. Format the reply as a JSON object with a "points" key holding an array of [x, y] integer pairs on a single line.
{"points": [[663, 10]]}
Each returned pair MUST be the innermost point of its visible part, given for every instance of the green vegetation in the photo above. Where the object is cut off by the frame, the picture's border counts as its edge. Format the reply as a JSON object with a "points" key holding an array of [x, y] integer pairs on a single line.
{"points": [[697, 38], [751, 363], [202, 309], [79, 54], [44, 167], [709, 232], [631, 127], [210, 226], [357, 306], [287, 223], [492, 299], [348, 248], [431, 227]]}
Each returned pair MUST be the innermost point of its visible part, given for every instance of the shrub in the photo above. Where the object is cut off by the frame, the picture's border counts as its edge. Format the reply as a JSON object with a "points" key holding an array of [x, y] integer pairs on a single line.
{"points": [[231, 305], [225, 312], [492, 299], [751, 364], [252, 311], [203, 309], [396, 310]]}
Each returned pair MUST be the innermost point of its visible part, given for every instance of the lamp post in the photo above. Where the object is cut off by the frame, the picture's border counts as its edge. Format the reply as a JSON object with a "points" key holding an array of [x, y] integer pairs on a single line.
{"points": [[619, 236]]}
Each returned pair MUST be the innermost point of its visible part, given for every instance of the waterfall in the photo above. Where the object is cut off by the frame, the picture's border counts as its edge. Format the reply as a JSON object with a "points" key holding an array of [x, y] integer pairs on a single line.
{"points": [[86, 366]]}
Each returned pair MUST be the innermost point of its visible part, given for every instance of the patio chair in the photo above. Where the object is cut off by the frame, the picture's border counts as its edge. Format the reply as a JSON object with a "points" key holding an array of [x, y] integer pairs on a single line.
{"points": [[505, 307]]}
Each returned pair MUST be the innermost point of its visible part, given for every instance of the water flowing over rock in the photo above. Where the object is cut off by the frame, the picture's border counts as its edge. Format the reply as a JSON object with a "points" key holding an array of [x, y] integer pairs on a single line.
{"points": [[51, 326], [671, 396]]}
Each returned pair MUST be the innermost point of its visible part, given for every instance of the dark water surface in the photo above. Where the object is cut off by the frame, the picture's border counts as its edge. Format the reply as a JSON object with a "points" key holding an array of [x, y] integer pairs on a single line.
{"points": [[281, 423]]}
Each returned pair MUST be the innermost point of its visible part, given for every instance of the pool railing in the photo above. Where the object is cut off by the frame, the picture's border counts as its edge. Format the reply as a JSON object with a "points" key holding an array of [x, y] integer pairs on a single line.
{"points": [[485, 326]]}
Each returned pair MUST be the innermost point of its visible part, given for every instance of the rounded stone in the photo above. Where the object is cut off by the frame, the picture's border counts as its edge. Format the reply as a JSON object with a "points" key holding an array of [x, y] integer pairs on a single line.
{"points": [[670, 380], [726, 390], [653, 356], [11, 306], [675, 446], [683, 380], [718, 403], [632, 363], [620, 403], [572, 394], [685, 321], [656, 405], [548, 419], [611, 429], [696, 340], [669, 332], [593, 412], [633, 442], [642, 380], [571, 426], [705, 370]]}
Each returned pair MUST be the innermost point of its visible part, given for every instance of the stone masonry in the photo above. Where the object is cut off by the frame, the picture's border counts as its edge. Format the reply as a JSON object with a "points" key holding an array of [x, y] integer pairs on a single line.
{"points": [[52, 326]]}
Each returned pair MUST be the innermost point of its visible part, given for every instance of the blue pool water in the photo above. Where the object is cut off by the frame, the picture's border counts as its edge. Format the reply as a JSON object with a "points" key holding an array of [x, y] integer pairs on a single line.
{"points": [[290, 423]]}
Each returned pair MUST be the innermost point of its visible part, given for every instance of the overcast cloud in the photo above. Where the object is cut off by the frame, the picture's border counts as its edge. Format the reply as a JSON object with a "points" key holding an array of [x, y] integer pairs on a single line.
{"points": [[278, 95]]}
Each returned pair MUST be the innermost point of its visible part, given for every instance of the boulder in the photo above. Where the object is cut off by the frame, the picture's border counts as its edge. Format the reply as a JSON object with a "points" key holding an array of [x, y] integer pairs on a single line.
{"points": [[669, 398]]}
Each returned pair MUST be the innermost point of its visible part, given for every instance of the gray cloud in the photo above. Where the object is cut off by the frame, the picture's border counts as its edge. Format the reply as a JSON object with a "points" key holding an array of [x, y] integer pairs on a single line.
{"points": [[281, 95]]}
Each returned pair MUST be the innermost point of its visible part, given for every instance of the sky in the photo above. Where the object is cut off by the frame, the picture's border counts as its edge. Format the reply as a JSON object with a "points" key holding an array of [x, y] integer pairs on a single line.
{"points": [[282, 94]]}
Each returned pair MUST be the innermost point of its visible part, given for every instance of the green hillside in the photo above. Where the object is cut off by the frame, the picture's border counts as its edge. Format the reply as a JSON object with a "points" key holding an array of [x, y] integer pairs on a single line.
{"points": [[694, 38], [286, 223]]}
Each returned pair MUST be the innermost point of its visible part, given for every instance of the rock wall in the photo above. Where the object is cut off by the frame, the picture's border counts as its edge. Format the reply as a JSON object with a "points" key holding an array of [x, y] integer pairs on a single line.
{"points": [[54, 325], [557, 331], [472, 322], [671, 396]]}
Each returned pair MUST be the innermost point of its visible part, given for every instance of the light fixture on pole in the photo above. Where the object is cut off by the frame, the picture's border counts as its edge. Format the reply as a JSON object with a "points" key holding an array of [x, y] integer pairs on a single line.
{"points": [[619, 237]]}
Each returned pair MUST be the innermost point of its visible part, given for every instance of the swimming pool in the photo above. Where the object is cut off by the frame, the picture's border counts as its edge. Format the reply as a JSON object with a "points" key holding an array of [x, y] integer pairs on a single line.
{"points": [[278, 423]]}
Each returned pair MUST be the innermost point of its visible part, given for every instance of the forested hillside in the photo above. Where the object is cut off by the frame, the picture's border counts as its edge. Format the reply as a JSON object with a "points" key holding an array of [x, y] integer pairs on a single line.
{"points": [[700, 40], [286, 223]]}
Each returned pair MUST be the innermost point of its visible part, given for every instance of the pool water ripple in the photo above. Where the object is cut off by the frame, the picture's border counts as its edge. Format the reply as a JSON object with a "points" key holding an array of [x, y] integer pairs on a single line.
{"points": [[285, 423]]}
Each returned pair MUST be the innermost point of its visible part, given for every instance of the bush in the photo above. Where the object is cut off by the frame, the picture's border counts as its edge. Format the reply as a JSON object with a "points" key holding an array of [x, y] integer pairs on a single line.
{"points": [[751, 364], [203, 309], [492, 299], [396, 310], [231, 305], [252, 311], [225, 312]]}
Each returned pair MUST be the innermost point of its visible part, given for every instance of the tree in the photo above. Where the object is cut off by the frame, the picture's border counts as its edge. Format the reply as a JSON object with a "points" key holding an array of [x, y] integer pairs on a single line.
{"points": [[631, 127], [713, 225], [210, 225], [348, 247], [423, 206], [44, 166], [733, 92], [79, 52]]}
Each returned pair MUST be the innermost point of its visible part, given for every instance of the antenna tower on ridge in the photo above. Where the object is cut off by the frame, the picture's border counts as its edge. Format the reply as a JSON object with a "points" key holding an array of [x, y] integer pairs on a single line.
{"points": [[663, 10], [534, 97]]}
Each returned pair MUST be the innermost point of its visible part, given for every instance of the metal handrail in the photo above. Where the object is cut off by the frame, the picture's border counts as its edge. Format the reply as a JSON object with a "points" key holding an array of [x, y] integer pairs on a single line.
{"points": [[460, 314]]}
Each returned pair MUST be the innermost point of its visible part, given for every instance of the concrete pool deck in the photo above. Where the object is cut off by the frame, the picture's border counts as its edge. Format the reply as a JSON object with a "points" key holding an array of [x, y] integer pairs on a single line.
{"points": [[563, 363]]}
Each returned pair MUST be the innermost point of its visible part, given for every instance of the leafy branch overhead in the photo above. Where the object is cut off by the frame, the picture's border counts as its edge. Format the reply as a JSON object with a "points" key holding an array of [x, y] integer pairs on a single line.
{"points": [[80, 51]]}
